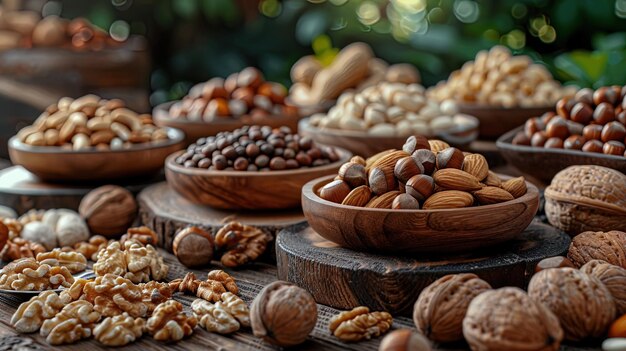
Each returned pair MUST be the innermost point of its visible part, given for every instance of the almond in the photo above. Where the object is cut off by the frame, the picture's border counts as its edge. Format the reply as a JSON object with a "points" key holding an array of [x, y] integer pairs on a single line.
{"points": [[370, 160], [515, 186], [493, 180], [387, 161], [437, 145], [476, 165], [383, 201], [359, 196], [492, 195], [448, 199], [456, 179]]}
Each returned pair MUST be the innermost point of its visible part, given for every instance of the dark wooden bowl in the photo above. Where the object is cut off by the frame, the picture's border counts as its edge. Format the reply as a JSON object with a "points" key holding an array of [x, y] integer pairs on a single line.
{"points": [[198, 129], [544, 164], [417, 231], [235, 190], [365, 145], [52, 163], [495, 121]]}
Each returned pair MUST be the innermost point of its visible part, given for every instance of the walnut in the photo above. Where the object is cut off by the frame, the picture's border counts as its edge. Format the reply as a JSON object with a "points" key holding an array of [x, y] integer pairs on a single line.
{"points": [[31, 314], [132, 260], [217, 283], [40, 233], [144, 235], [74, 261], [170, 323], [21, 248], [613, 277], [404, 340], [76, 290], [508, 319], [91, 247], [234, 305], [74, 322], [4, 235], [214, 317], [606, 246], [109, 210], [188, 284], [155, 293], [119, 330], [582, 198], [359, 324], [283, 314], [111, 260], [27, 274], [113, 295], [243, 243], [440, 308], [582, 303], [14, 226]]}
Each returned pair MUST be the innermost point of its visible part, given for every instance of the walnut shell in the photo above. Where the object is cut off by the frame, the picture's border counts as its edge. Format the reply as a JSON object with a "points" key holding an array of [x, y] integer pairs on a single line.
{"points": [[582, 198], [507, 319], [613, 277], [283, 314], [609, 247], [109, 210], [583, 304], [440, 308]]}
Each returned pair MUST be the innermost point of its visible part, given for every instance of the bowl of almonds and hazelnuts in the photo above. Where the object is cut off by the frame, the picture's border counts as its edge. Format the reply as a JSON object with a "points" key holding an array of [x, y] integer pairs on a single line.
{"points": [[254, 168], [93, 139], [426, 198]]}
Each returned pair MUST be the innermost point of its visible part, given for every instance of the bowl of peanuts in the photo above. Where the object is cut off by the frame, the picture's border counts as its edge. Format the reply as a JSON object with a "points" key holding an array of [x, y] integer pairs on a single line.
{"points": [[93, 139]]}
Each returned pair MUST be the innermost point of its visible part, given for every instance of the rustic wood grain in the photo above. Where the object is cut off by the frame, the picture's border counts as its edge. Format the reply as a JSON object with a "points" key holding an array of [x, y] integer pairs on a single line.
{"points": [[22, 190], [417, 231], [164, 210], [233, 190], [495, 121]]}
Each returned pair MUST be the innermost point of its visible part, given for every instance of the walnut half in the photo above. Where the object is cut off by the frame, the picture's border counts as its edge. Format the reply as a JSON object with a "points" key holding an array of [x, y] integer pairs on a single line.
{"points": [[74, 322], [223, 317], [360, 324], [26, 274], [31, 314], [74, 261], [119, 330], [242, 243], [170, 323]]}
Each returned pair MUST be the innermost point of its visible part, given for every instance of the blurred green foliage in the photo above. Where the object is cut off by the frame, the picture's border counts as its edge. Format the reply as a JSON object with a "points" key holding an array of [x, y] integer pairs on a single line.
{"points": [[583, 42]]}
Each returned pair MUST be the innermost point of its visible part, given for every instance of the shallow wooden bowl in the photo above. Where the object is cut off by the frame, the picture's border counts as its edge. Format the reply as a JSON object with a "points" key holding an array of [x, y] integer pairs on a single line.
{"points": [[544, 164], [495, 121], [235, 190], [365, 145], [417, 231], [198, 129], [52, 163]]}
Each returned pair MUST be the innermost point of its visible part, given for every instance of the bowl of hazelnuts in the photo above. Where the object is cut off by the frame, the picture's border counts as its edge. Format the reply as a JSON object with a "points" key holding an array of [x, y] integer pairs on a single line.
{"points": [[217, 105], [427, 197], [251, 168], [589, 128]]}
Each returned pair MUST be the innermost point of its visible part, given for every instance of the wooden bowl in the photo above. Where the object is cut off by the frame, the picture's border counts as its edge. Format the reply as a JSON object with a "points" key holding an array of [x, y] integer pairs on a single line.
{"points": [[52, 163], [417, 231], [198, 129], [544, 164], [495, 121], [365, 145], [235, 190]]}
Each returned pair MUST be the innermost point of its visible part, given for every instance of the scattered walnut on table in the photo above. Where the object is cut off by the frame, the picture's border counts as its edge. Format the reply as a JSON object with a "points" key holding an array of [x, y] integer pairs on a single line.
{"points": [[14, 226], [132, 260], [27, 274], [360, 324], [607, 246], [92, 247], [113, 295], [74, 322], [217, 283], [155, 293], [31, 314], [21, 248], [119, 330], [613, 277], [242, 243], [143, 234], [188, 284], [74, 261], [111, 260], [4, 235], [214, 317], [170, 323]]}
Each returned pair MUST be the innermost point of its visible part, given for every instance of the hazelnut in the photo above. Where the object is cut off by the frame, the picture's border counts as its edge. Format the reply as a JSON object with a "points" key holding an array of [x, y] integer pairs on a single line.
{"points": [[450, 158], [593, 146], [613, 131], [621, 117], [604, 113], [592, 132], [547, 117], [194, 247], [406, 168], [557, 128], [554, 262], [554, 143], [358, 159], [353, 173], [415, 142], [420, 187], [426, 159], [335, 191], [532, 126], [249, 77], [564, 106], [539, 139], [613, 147], [584, 95], [108, 210], [605, 95], [404, 340], [574, 142], [575, 128], [521, 139], [283, 314], [581, 113], [381, 182], [405, 202]]}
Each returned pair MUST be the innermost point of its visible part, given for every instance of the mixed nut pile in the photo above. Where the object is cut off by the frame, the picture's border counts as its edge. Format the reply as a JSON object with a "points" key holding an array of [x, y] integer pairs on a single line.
{"points": [[427, 174], [91, 122], [256, 148], [244, 95], [590, 121]]}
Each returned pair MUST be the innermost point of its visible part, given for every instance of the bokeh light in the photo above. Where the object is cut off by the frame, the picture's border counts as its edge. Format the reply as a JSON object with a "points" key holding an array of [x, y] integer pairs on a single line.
{"points": [[119, 30], [270, 8], [620, 8], [368, 13], [466, 11], [515, 39]]}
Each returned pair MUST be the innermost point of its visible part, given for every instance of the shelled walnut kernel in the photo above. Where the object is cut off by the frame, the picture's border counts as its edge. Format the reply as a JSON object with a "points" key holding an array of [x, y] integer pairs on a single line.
{"points": [[27, 274], [359, 324], [224, 316], [242, 243], [74, 322], [31, 314], [118, 330], [170, 323]]}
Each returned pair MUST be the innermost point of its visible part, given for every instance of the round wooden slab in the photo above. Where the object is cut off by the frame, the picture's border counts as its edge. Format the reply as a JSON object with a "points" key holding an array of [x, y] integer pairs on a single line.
{"points": [[164, 210], [344, 279], [22, 190]]}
